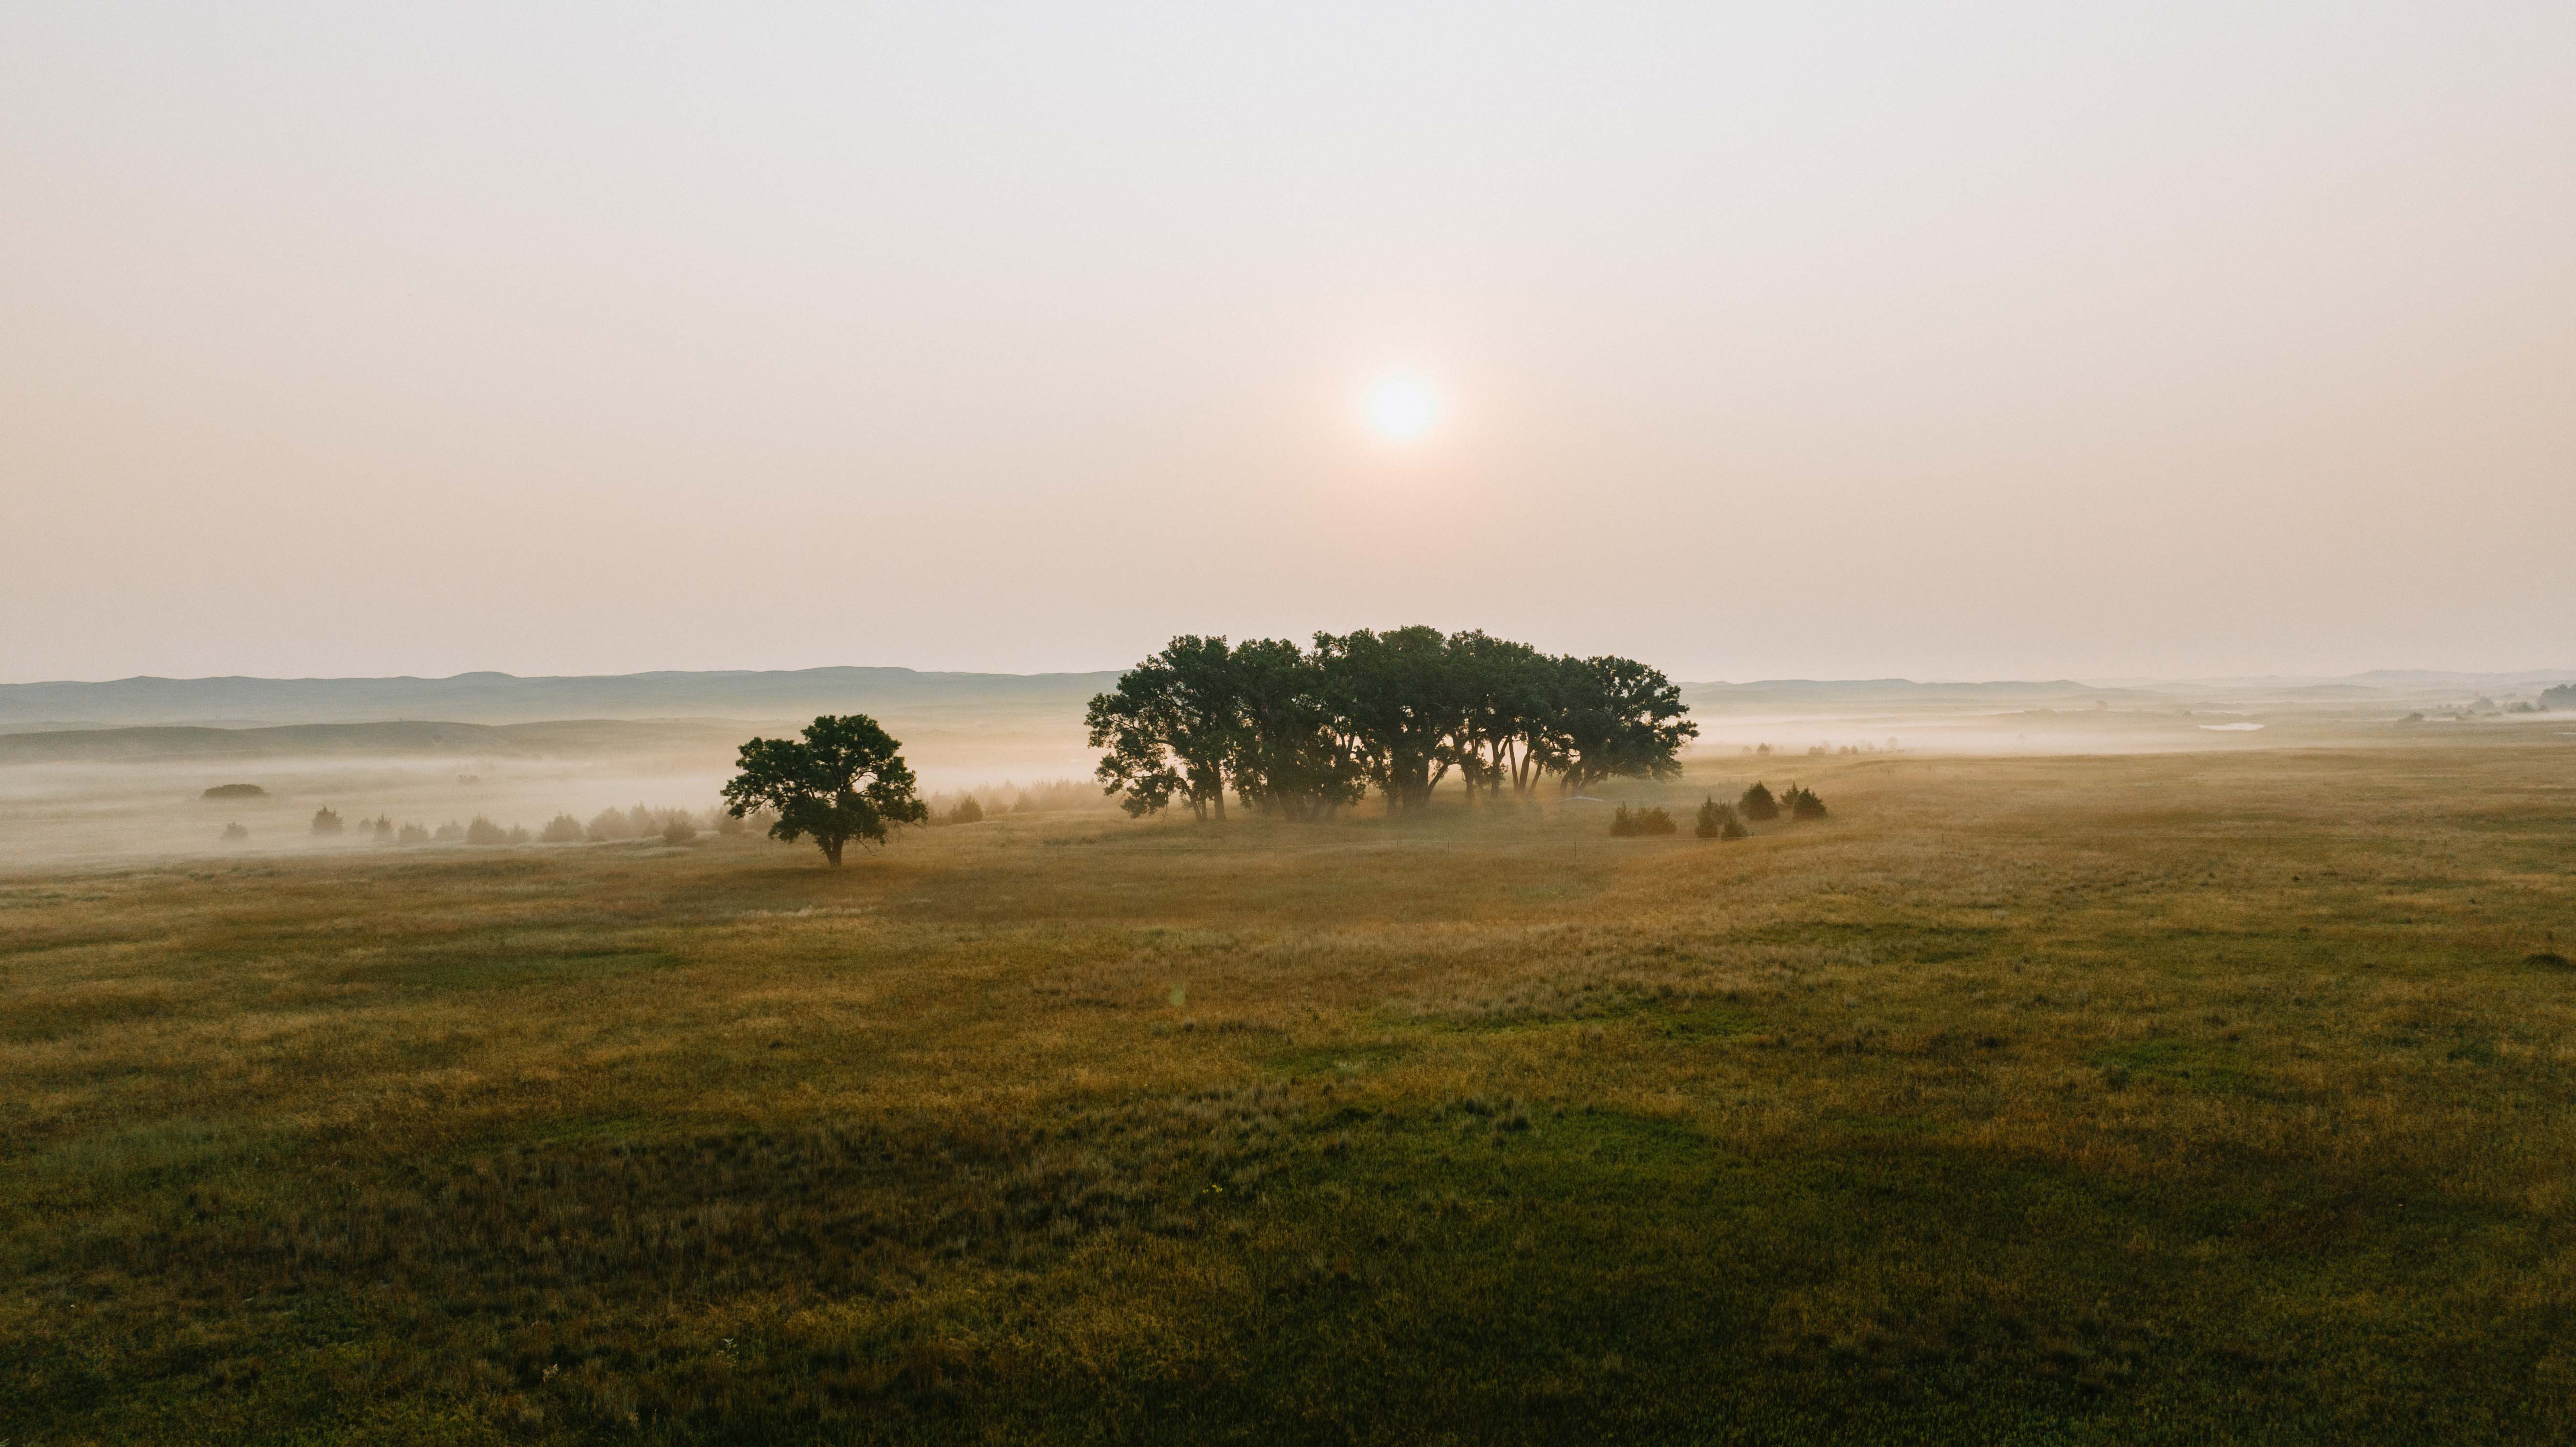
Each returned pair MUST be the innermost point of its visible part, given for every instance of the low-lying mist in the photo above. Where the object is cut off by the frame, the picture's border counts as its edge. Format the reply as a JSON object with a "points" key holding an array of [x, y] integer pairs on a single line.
{"points": [[72, 811]]}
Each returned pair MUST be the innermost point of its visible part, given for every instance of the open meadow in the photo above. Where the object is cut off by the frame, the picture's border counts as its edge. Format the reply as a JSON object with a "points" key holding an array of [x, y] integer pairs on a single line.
{"points": [[2172, 1097]]}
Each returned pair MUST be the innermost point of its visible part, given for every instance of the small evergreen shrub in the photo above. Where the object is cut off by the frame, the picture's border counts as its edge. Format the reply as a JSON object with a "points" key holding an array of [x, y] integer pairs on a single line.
{"points": [[1718, 821], [235, 833], [1758, 804], [966, 811], [484, 831], [411, 834], [325, 822], [1629, 823], [679, 830], [562, 829], [1803, 803]]}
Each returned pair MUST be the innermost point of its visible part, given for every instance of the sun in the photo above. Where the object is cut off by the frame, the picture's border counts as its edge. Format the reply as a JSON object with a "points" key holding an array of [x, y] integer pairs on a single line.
{"points": [[1402, 406]]}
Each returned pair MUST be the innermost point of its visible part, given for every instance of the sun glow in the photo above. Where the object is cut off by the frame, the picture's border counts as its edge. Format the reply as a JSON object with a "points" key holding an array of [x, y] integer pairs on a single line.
{"points": [[1402, 406]]}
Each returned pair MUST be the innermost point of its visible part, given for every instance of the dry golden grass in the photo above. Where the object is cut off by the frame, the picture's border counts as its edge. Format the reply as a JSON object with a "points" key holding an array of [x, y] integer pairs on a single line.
{"points": [[2178, 1097]]}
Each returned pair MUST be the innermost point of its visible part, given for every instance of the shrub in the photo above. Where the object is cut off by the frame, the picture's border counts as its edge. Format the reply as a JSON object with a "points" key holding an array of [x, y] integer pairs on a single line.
{"points": [[1803, 804], [562, 829], [384, 829], [727, 824], [235, 791], [325, 822], [1718, 821], [411, 834], [966, 811], [1628, 824], [679, 830], [610, 824], [484, 831], [235, 833], [642, 823], [450, 832], [1758, 805], [518, 835]]}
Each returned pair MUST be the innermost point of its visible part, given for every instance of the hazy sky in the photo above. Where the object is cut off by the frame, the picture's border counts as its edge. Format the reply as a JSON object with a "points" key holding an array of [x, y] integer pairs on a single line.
{"points": [[1945, 340]]}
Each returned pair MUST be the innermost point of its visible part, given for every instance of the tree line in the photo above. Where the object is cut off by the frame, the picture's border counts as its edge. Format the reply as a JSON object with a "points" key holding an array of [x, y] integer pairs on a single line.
{"points": [[1301, 732]]}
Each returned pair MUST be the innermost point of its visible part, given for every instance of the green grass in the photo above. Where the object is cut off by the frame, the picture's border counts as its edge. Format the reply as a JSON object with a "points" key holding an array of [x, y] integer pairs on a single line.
{"points": [[2173, 1099]]}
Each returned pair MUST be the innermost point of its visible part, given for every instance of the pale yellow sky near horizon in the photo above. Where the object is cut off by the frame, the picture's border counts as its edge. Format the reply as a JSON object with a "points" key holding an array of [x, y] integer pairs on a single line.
{"points": [[1960, 340]]}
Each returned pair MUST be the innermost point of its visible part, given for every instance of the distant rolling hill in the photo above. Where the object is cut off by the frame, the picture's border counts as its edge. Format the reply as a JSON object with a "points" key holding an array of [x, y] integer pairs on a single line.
{"points": [[571, 737], [501, 698], [1873, 694]]}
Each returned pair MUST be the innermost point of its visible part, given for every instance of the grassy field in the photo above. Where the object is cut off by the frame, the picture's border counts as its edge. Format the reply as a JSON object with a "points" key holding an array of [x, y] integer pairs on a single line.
{"points": [[2176, 1098]]}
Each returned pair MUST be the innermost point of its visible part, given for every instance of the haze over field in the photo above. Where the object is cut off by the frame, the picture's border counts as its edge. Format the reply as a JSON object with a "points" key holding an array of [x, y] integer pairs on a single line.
{"points": [[1996, 340], [1392, 724]]}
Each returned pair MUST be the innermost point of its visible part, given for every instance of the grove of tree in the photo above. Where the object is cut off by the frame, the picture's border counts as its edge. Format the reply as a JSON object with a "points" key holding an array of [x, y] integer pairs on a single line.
{"points": [[1301, 732]]}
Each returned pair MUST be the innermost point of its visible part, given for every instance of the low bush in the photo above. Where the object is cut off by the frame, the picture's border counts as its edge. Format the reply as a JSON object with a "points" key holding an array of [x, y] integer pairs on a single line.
{"points": [[484, 831], [1803, 803], [326, 822], [1758, 804], [1629, 824], [1719, 821], [965, 811], [411, 834], [678, 830], [235, 833], [562, 829]]}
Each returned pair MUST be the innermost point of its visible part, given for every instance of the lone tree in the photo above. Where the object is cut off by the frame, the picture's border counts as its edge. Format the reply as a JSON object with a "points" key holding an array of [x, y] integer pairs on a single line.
{"points": [[846, 779]]}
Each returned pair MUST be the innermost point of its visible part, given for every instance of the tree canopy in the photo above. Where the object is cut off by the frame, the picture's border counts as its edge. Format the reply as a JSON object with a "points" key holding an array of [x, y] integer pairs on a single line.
{"points": [[1303, 731], [844, 780]]}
